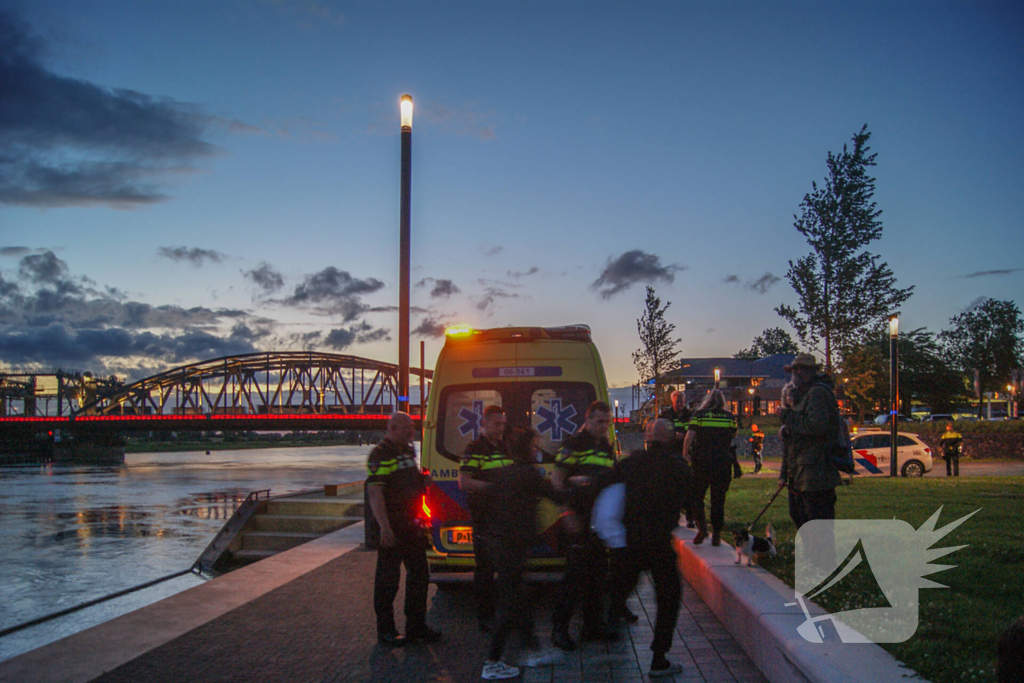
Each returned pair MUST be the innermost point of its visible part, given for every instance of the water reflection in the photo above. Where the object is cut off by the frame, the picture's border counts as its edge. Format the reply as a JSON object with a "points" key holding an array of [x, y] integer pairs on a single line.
{"points": [[69, 534]]}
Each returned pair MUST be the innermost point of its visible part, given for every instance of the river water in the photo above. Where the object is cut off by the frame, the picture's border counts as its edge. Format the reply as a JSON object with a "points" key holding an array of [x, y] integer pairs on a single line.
{"points": [[70, 534]]}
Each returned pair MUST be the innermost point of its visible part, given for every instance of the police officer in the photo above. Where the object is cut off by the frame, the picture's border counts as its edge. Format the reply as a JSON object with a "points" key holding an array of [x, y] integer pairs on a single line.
{"points": [[583, 467], [951, 443], [756, 446], [395, 487], [679, 415], [707, 449], [483, 458]]}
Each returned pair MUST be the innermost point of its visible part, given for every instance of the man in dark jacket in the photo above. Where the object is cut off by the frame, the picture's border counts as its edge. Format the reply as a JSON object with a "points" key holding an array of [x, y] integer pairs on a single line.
{"points": [[657, 483], [679, 415], [810, 421]]}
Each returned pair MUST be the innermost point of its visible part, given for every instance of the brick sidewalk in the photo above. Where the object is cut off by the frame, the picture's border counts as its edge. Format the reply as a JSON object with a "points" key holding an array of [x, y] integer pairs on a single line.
{"points": [[320, 628]]}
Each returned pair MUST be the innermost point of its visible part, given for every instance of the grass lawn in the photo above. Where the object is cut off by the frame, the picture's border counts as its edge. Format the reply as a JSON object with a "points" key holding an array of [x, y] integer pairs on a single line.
{"points": [[959, 625]]}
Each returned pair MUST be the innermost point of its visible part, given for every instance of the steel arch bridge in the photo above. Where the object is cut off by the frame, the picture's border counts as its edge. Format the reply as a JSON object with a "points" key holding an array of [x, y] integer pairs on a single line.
{"points": [[273, 383], [284, 390]]}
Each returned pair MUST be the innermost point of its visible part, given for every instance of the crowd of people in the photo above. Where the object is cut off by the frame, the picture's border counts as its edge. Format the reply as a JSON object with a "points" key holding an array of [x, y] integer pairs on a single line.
{"points": [[688, 452]]}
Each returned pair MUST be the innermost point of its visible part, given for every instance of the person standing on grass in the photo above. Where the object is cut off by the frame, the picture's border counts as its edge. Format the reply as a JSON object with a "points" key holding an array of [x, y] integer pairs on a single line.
{"points": [[708, 450], [756, 446], [484, 458], [657, 486], [951, 444], [810, 421], [395, 488], [515, 491]]}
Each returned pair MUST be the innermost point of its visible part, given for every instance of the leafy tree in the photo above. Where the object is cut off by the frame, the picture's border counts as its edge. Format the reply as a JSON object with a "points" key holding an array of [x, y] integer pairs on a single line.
{"points": [[845, 293], [658, 352], [770, 342], [925, 377], [987, 338], [864, 378]]}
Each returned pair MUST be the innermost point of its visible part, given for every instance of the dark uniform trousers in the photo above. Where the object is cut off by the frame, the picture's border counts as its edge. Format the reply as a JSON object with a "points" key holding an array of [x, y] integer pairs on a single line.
{"points": [[483, 572], [586, 576], [715, 474], [807, 505], [413, 554], [515, 608], [660, 560]]}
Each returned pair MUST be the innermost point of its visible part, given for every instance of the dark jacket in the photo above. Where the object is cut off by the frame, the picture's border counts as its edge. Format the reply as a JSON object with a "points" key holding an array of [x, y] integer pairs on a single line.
{"points": [[515, 492], [712, 439], [812, 425], [657, 482]]}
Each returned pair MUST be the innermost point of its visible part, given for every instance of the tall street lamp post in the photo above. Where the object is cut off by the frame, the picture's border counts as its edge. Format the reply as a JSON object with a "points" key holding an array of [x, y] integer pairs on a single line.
{"points": [[403, 258], [894, 390]]}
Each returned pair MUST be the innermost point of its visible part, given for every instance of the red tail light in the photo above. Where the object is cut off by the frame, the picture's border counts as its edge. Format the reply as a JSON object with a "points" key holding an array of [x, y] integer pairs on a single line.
{"points": [[426, 509]]}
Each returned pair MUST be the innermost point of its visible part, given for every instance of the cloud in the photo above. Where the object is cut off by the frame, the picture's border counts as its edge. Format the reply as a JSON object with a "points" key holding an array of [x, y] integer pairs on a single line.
{"points": [[430, 327], [56, 318], [986, 273], [195, 255], [57, 343], [334, 292], [68, 142], [491, 250], [442, 288], [630, 268], [16, 252], [466, 119], [265, 277], [522, 273], [43, 268], [360, 333], [491, 296], [763, 283], [731, 279], [974, 304]]}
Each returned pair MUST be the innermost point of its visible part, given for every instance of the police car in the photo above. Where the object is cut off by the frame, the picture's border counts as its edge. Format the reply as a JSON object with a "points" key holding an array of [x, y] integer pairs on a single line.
{"points": [[872, 450]]}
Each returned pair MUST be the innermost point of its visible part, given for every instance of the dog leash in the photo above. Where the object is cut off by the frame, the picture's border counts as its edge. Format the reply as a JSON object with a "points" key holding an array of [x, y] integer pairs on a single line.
{"points": [[777, 492]]}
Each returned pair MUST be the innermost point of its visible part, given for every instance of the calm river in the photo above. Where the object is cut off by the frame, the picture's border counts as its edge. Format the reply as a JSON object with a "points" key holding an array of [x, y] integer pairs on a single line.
{"points": [[69, 534]]}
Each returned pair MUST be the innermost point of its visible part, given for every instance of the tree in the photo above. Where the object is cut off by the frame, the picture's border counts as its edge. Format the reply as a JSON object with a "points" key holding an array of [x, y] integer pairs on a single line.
{"points": [[924, 375], [770, 342], [658, 352], [845, 293], [986, 338], [864, 378]]}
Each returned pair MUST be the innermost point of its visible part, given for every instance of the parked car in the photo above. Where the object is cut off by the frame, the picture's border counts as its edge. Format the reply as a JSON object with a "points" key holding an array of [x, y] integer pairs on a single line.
{"points": [[940, 417], [872, 450], [883, 419]]}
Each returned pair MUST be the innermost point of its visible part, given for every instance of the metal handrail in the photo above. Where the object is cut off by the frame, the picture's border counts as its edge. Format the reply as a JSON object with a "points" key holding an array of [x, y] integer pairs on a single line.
{"points": [[227, 533]]}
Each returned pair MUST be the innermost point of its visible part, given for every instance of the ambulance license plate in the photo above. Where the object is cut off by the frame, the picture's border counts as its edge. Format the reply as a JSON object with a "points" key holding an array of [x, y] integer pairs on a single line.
{"points": [[460, 535]]}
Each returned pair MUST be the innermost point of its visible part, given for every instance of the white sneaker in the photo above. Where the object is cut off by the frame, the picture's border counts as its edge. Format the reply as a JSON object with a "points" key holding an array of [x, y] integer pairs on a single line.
{"points": [[499, 670], [541, 657]]}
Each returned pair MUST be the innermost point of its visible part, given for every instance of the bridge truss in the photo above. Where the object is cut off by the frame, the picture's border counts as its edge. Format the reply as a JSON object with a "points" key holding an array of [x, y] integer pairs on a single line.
{"points": [[278, 383]]}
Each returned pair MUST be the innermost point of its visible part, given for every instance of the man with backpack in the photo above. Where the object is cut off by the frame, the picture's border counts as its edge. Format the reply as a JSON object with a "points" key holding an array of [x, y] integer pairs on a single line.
{"points": [[810, 422]]}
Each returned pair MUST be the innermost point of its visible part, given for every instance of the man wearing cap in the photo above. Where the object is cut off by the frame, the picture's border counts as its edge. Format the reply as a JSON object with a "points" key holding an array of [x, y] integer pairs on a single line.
{"points": [[810, 421]]}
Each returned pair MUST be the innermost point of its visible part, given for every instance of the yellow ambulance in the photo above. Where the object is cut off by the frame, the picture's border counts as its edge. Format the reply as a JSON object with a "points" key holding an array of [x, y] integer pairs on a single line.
{"points": [[544, 378]]}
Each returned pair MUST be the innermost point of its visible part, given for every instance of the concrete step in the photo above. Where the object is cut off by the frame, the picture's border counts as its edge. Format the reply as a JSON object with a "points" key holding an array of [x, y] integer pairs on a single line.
{"points": [[275, 540], [321, 506], [303, 523], [246, 556]]}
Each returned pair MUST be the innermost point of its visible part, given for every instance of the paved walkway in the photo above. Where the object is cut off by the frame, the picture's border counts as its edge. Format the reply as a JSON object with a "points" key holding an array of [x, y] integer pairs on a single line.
{"points": [[320, 628]]}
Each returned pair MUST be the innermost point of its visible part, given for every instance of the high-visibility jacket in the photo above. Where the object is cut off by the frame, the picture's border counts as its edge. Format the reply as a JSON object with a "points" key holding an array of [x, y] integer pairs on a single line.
{"points": [[951, 443]]}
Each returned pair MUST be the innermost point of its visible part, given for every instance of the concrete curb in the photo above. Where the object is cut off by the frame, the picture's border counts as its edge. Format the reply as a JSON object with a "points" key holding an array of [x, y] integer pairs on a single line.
{"points": [[751, 604], [83, 656]]}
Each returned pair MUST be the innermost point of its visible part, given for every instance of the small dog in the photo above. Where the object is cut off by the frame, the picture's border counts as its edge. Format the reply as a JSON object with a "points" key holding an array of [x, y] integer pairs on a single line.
{"points": [[747, 545]]}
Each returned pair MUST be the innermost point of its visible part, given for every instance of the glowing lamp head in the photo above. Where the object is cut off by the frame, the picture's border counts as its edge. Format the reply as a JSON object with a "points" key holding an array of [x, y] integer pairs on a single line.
{"points": [[406, 106], [894, 326], [718, 374]]}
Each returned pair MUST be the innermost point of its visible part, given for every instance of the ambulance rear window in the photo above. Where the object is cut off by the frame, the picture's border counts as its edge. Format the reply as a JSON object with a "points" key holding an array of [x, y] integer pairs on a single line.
{"points": [[555, 410]]}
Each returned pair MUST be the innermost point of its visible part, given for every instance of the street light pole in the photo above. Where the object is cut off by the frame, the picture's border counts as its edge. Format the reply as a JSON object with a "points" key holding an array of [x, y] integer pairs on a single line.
{"points": [[894, 390], [405, 106]]}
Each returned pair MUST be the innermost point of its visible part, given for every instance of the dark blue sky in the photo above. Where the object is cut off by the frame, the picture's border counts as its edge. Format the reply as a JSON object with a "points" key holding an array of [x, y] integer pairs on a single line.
{"points": [[233, 166]]}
